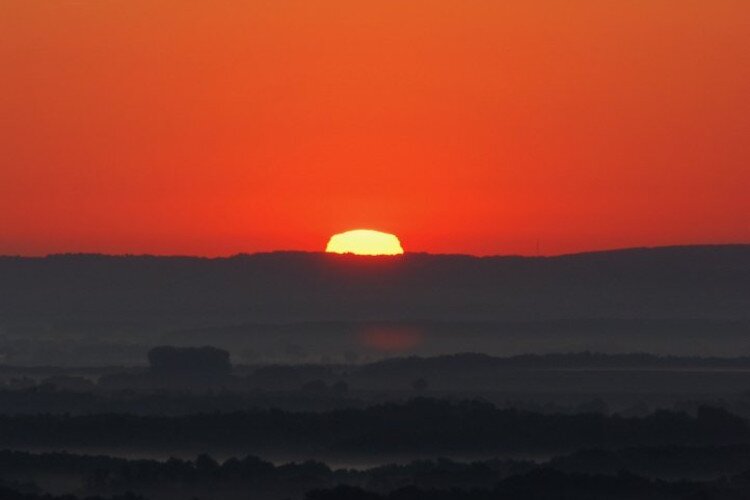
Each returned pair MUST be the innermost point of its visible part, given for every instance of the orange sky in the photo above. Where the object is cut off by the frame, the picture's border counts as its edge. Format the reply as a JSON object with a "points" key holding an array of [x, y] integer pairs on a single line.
{"points": [[469, 126]]}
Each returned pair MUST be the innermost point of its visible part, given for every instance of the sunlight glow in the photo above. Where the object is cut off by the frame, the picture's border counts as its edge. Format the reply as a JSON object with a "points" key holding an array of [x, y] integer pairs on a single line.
{"points": [[365, 242]]}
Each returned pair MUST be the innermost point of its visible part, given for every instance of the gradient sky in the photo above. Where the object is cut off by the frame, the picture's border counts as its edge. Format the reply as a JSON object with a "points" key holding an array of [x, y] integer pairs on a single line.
{"points": [[466, 126]]}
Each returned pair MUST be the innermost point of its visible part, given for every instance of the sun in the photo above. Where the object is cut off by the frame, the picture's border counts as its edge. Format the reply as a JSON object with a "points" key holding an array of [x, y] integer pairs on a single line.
{"points": [[365, 242]]}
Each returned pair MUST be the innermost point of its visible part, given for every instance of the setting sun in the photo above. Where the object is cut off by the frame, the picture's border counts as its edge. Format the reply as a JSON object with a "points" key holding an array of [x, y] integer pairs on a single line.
{"points": [[364, 242]]}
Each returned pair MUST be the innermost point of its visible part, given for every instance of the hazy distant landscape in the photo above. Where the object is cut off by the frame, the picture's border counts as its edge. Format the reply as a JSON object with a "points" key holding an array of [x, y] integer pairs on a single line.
{"points": [[299, 375], [312, 308]]}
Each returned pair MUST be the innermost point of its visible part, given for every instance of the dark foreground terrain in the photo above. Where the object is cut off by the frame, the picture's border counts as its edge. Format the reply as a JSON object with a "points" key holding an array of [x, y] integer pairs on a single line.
{"points": [[421, 426], [649, 472], [71, 432]]}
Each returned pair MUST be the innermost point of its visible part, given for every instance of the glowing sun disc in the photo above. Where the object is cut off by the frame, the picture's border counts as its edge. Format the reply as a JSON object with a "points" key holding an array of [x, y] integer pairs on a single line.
{"points": [[365, 242]]}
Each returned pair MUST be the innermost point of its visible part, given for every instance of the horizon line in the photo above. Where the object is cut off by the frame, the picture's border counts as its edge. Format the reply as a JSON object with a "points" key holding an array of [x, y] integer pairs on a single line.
{"points": [[350, 255]]}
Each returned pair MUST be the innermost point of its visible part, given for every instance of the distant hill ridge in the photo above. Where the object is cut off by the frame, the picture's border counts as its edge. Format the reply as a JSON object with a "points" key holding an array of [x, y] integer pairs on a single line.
{"points": [[684, 249], [701, 282]]}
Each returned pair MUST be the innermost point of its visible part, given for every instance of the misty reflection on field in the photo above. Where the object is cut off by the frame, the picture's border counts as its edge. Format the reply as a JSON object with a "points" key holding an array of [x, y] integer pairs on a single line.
{"points": [[393, 339]]}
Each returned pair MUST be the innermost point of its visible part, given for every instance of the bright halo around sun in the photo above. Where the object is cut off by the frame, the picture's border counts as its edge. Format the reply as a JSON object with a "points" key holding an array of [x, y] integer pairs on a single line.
{"points": [[365, 242]]}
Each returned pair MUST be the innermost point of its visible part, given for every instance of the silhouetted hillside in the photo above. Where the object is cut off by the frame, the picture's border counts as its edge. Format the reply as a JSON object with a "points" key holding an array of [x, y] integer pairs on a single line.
{"points": [[419, 426], [678, 282]]}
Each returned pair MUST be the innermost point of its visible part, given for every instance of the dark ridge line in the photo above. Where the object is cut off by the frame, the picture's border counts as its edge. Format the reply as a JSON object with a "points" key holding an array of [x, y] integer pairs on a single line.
{"points": [[301, 253]]}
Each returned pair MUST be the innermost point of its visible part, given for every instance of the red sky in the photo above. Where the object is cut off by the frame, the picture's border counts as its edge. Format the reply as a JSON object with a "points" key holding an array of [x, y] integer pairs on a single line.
{"points": [[468, 126]]}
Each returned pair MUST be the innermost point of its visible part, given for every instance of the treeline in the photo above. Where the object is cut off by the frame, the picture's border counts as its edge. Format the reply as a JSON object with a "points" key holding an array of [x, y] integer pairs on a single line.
{"points": [[550, 484], [114, 474], [583, 359], [664, 462], [417, 426], [204, 478], [9, 492]]}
